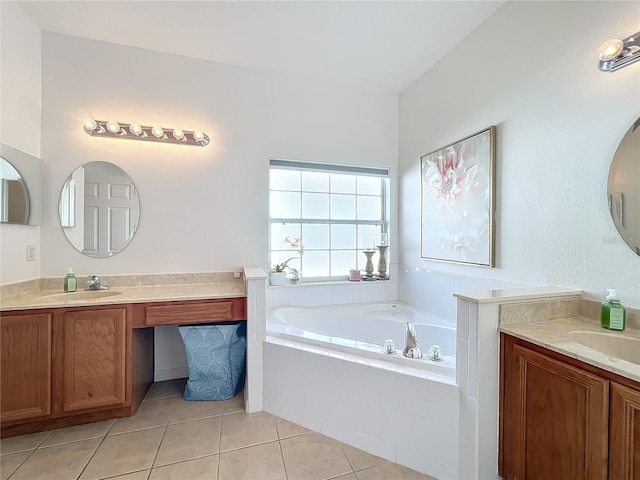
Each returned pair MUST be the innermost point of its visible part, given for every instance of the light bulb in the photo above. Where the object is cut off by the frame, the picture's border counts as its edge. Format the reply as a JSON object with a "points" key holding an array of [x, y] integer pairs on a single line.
{"points": [[178, 134], [113, 127], [611, 49], [90, 124], [158, 132], [198, 136], [136, 129]]}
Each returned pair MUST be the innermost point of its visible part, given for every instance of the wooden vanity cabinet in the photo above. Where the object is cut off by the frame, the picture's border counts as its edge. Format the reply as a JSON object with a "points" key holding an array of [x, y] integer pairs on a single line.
{"points": [[562, 418], [25, 348]]}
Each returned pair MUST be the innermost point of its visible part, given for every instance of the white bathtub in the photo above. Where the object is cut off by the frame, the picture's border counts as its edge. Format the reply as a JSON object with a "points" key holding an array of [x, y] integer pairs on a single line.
{"points": [[361, 331], [324, 369]]}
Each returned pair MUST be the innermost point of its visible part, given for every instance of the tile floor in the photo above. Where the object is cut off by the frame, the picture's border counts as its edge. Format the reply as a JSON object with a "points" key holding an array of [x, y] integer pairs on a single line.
{"points": [[170, 438]]}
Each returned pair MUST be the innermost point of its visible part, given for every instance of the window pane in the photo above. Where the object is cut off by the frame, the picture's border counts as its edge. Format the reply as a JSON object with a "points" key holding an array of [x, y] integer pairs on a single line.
{"points": [[315, 182], [343, 183], [279, 231], [315, 264], [315, 205], [369, 208], [315, 236], [343, 236], [284, 205], [343, 207], [342, 261], [284, 179], [369, 186]]}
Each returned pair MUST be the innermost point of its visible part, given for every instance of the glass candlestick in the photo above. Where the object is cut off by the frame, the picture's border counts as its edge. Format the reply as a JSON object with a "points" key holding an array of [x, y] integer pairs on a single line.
{"points": [[382, 263]]}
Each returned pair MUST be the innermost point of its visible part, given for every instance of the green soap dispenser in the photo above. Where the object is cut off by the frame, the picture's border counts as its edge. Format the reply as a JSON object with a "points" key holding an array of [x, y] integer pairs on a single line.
{"points": [[613, 315], [70, 281]]}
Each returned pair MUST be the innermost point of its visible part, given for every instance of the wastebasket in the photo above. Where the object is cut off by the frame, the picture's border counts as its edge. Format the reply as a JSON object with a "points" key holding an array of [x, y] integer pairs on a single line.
{"points": [[216, 360]]}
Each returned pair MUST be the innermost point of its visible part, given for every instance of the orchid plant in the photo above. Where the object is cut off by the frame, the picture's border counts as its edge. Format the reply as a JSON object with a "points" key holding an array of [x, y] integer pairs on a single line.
{"points": [[295, 244]]}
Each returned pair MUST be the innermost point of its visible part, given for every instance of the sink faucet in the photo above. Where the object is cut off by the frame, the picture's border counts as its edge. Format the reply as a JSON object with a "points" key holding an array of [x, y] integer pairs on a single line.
{"points": [[94, 283], [411, 349]]}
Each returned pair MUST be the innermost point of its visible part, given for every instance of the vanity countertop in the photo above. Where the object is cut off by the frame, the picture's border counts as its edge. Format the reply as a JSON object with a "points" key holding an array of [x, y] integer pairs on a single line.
{"points": [[120, 295], [556, 335]]}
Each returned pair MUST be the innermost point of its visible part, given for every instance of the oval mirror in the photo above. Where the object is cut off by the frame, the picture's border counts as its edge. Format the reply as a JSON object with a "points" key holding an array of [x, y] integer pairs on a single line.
{"points": [[99, 209], [624, 188], [14, 198]]}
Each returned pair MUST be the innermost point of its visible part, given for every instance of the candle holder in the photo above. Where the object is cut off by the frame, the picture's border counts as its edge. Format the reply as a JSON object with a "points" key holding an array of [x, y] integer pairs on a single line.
{"points": [[368, 267], [382, 263]]}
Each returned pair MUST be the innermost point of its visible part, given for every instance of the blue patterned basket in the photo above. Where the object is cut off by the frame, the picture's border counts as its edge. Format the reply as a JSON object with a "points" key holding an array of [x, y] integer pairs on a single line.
{"points": [[216, 360]]}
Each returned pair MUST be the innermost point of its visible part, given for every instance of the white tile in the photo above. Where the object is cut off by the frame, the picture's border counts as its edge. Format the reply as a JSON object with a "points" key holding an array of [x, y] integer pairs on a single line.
{"points": [[381, 449], [355, 439], [412, 459], [462, 363], [462, 319], [473, 385], [473, 317], [473, 350]]}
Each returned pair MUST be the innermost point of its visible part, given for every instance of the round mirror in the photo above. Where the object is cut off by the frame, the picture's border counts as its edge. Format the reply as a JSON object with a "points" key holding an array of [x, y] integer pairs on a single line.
{"points": [[624, 188], [99, 209], [14, 198]]}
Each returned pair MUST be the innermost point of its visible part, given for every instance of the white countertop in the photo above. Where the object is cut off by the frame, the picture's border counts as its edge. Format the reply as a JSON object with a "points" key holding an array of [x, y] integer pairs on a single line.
{"points": [[138, 294], [556, 335]]}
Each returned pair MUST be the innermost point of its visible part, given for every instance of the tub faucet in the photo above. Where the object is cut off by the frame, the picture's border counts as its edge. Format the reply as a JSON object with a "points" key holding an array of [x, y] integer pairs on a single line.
{"points": [[94, 283], [411, 349]]}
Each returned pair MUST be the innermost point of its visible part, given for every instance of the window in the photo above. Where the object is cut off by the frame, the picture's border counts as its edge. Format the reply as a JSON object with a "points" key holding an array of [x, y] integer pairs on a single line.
{"points": [[335, 210]]}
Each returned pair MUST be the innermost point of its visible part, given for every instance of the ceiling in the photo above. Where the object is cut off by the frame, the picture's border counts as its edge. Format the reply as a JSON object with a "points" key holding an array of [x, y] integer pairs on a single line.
{"points": [[378, 45]]}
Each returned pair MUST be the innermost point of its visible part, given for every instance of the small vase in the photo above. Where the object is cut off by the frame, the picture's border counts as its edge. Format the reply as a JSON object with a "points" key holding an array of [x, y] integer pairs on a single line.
{"points": [[294, 277], [277, 278]]}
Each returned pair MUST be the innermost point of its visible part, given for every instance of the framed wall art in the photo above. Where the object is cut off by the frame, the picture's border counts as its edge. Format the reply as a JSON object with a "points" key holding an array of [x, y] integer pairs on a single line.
{"points": [[457, 197]]}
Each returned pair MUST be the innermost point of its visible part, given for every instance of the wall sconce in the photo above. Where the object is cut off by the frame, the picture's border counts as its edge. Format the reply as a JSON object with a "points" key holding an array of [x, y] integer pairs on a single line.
{"points": [[616, 54], [135, 131]]}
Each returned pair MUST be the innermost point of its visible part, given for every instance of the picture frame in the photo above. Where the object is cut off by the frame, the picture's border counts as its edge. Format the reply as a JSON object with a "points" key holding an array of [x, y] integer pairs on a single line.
{"points": [[457, 201]]}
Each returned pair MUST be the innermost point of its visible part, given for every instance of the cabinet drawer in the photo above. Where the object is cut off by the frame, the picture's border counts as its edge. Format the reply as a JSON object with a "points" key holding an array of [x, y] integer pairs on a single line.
{"points": [[192, 313]]}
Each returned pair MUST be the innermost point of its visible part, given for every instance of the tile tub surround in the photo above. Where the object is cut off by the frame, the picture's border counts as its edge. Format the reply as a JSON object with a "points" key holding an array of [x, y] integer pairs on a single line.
{"points": [[190, 440], [131, 288]]}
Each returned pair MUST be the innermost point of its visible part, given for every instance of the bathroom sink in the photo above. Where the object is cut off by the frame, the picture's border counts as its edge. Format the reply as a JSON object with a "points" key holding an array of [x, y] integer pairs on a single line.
{"points": [[614, 345], [78, 296]]}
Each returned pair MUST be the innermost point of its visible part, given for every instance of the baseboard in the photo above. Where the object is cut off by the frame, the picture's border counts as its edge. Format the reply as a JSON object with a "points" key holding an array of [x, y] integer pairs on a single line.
{"points": [[170, 374]]}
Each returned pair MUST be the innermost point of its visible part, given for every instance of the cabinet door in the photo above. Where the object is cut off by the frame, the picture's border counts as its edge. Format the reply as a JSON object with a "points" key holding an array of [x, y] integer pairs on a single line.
{"points": [[25, 346], [94, 358], [555, 422], [624, 440]]}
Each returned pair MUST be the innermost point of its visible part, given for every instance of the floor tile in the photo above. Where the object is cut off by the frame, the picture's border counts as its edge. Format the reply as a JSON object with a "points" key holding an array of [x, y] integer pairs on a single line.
{"points": [[234, 405], [247, 429], [262, 462], [313, 457], [188, 440], [169, 388], [124, 453], [141, 475], [187, 410], [77, 433], [360, 459], [205, 468], [348, 476], [9, 463], [154, 413], [287, 429], [62, 462], [22, 443], [389, 470]]}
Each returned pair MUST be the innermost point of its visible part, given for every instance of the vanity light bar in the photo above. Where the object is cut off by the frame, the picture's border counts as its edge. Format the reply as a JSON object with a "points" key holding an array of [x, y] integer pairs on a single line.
{"points": [[135, 131]]}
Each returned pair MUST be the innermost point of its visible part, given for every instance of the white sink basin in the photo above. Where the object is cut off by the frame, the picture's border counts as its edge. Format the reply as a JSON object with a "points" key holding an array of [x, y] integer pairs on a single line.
{"points": [[614, 345], [78, 296]]}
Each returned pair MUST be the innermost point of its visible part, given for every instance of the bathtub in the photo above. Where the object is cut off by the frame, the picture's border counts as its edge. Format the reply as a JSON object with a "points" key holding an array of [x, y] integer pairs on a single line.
{"points": [[361, 332], [324, 369]]}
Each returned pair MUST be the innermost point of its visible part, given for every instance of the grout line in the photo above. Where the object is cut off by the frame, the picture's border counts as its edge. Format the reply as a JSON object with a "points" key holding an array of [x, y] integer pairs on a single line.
{"points": [[284, 464], [220, 445], [21, 463], [94, 452]]}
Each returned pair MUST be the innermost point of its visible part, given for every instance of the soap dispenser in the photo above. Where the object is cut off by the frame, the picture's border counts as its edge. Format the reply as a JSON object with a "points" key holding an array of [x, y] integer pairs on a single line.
{"points": [[612, 314], [70, 281]]}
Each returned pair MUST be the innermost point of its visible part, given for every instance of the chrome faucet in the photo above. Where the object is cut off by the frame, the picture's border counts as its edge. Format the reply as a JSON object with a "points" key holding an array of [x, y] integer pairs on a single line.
{"points": [[411, 349], [94, 283]]}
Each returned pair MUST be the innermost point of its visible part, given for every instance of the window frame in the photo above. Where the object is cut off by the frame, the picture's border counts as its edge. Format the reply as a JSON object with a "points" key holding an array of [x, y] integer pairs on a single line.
{"points": [[383, 173]]}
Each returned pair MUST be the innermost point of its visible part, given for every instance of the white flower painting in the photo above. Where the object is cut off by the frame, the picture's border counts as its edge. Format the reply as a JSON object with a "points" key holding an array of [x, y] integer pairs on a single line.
{"points": [[457, 186]]}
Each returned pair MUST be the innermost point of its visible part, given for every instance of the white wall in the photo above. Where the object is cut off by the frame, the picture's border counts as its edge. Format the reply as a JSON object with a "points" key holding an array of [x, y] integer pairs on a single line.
{"points": [[531, 70], [202, 209], [20, 127]]}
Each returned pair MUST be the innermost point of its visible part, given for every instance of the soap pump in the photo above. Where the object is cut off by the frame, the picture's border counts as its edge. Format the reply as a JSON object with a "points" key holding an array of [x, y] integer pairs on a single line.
{"points": [[70, 281], [612, 314]]}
